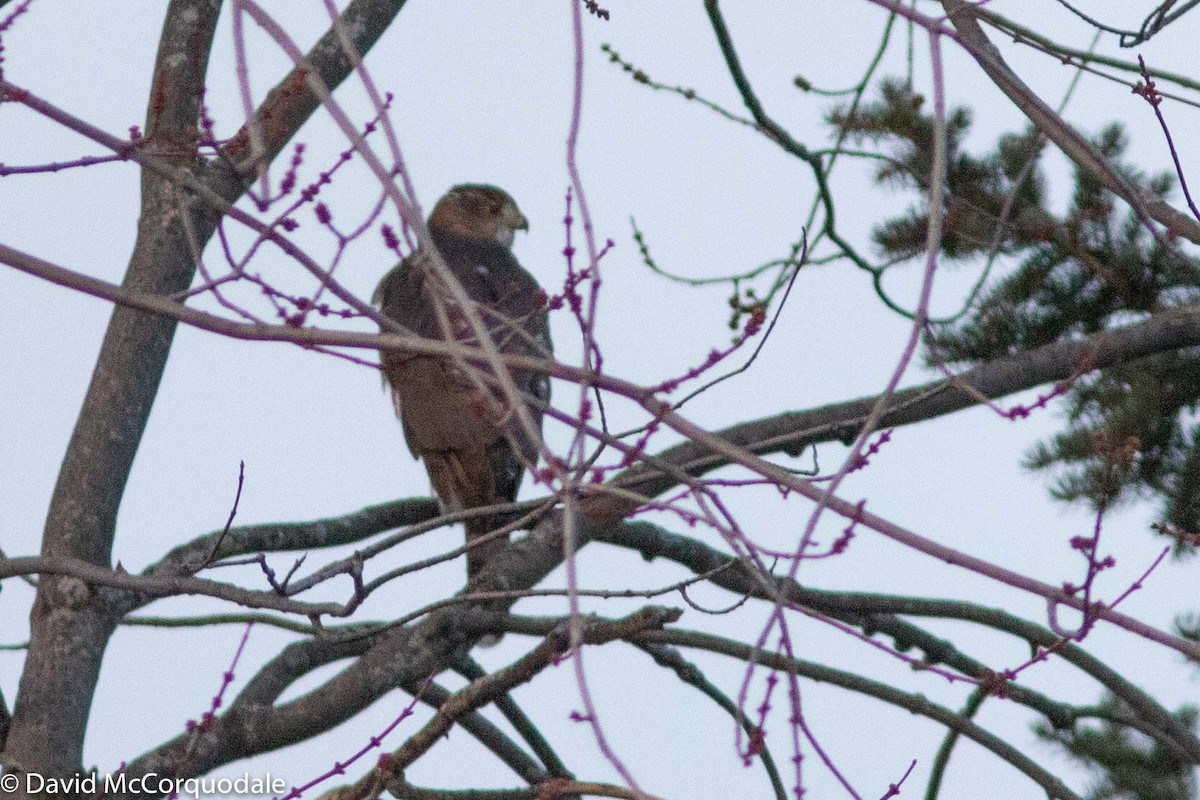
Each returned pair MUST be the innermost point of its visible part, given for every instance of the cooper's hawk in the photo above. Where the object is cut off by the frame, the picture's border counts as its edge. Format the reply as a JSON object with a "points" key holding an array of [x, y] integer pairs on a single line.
{"points": [[467, 433]]}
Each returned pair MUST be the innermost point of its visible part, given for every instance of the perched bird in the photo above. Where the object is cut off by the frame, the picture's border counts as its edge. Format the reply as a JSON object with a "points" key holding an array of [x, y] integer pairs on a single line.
{"points": [[473, 444]]}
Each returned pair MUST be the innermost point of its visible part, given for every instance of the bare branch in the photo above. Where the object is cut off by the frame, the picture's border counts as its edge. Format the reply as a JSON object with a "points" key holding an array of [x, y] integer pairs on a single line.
{"points": [[690, 674], [488, 735], [880, 613], [5, 721], [964, 16], [914, 703], [394, 658], [483, 690], [792, 431], [1072, 56], [524, 726], [280, 537], [87, 574], [68, 637], [294, 662], [547, 790]]}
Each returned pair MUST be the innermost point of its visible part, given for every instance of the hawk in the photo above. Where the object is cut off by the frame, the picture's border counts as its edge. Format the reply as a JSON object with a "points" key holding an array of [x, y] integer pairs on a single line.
{"points": [[472, 442]]}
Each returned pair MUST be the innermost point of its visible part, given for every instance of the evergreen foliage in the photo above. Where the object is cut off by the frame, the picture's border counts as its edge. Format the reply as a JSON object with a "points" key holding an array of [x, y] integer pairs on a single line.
{"points": [[1129, 765], [1130, 431]]}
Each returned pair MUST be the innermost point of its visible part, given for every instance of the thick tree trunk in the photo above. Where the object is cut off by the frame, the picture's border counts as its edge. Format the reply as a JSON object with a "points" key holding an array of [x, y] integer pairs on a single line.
{"points": [[71, 621]]}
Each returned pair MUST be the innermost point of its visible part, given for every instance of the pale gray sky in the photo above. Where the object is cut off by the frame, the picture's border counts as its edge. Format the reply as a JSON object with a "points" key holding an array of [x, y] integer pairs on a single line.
{"points": [[483, 94]]}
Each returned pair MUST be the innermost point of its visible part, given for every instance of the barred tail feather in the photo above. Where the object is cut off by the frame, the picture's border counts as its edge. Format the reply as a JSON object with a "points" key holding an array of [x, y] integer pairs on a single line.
{"points": [[464, 479]]}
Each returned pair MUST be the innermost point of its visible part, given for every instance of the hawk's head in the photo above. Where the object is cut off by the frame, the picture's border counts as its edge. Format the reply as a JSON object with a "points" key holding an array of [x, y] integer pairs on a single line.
{"points": [[479, 211]]}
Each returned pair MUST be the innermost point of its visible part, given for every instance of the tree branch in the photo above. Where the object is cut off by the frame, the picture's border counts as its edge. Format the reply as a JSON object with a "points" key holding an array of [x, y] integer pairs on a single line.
{"points": [[296, 536], [483, 690], [690, 674], [68, 633], [524, 726], [294, 662], [792, 431], [875, 613], [399, 657], [69, 628], [914, 703], [486, 733], [85, 578], [1077, 148]]}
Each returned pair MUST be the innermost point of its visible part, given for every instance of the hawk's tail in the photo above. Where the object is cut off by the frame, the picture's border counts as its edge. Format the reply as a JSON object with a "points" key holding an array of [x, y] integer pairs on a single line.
{"points": [[464, 479], [479, 555]]}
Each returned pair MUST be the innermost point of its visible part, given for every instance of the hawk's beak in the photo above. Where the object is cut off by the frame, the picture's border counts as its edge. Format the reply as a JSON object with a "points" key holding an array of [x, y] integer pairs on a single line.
{"points": [[511, 222], [512, 218]]}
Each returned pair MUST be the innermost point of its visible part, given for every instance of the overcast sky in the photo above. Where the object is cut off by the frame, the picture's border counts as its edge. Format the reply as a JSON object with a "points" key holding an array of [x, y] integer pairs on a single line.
{"points": [[483, 94]]}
